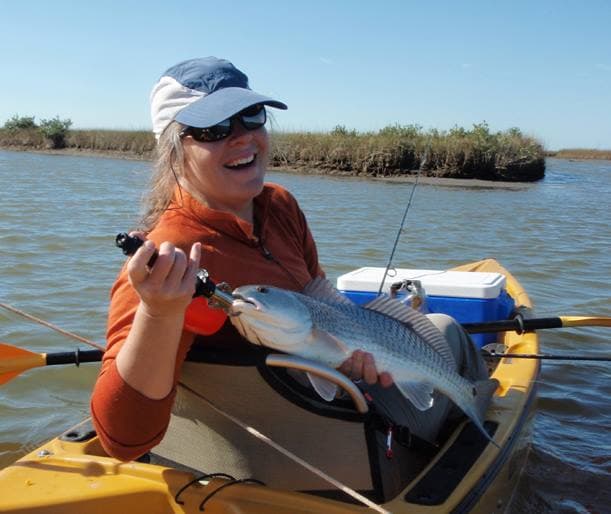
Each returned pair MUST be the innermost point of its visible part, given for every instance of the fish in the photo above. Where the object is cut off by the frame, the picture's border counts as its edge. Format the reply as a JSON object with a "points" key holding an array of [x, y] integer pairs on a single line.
{"points": [[322, 325]]}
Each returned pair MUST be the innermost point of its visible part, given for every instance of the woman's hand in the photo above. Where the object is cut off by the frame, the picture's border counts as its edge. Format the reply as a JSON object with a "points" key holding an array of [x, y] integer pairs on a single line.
{"points": [[361, 366], [168, 287]]}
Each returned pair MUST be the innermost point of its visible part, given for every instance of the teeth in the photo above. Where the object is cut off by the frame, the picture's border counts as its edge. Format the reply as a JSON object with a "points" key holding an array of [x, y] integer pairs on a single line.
{"points": [[239, 162]]}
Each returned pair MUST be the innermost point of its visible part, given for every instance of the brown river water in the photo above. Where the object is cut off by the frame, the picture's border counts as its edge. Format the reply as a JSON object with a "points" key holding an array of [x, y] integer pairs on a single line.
{"points": [[59, 216]]}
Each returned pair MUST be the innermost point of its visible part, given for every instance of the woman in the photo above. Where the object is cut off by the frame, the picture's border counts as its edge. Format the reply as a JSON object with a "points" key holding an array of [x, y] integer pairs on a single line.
{"points": [[208, 207]]}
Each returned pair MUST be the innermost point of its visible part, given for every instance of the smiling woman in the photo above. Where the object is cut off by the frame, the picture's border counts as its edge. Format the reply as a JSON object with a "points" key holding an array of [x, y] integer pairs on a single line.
{"points": [[208, 206]]}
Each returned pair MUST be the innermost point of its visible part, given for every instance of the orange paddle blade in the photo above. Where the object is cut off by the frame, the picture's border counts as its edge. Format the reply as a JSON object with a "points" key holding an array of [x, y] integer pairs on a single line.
{"points": [[14, 361]]}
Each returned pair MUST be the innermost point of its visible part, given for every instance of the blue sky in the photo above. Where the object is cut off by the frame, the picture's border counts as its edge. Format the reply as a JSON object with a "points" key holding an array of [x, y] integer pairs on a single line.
{"points": [[542, 66]]}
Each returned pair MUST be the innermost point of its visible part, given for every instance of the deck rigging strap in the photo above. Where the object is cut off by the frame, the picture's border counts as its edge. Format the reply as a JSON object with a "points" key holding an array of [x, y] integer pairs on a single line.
{"points": [[313, 469]]}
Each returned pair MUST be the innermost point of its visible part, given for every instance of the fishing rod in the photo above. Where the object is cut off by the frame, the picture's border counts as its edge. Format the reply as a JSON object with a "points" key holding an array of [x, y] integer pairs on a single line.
{"points": [[204, 286], [407, 207]]}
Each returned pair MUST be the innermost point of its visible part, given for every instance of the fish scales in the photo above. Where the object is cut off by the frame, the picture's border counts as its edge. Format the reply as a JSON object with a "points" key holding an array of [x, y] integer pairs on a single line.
{"points": [[325, 327]]}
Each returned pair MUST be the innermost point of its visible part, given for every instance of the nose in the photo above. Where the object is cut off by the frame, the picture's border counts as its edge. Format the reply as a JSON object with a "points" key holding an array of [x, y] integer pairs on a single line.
{"points": [[239, 134]]}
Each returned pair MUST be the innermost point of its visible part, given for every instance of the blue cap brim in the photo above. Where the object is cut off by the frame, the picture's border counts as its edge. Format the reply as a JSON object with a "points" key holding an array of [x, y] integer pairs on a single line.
{"points": [[222, 104]]}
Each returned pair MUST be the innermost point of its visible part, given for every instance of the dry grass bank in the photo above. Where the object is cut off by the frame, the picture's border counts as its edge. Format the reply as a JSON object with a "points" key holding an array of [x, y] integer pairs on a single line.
{"points": [[394, 151], [581, 153]]}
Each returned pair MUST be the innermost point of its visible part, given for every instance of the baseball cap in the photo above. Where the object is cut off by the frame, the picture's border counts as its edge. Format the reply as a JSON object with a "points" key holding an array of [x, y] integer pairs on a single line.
{"points": [[201, 93]]}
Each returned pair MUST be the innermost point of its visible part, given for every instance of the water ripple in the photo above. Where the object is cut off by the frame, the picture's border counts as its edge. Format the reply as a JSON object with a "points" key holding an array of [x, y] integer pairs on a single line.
{"points": [[57, 229]]}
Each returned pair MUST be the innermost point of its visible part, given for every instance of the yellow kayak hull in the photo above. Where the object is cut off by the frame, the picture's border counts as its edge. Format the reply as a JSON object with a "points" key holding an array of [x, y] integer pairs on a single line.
{"points": [[68, 476]]}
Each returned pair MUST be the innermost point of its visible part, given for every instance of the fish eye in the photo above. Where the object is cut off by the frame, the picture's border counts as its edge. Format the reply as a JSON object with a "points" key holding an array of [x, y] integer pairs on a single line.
{"points": [[262, 289]]}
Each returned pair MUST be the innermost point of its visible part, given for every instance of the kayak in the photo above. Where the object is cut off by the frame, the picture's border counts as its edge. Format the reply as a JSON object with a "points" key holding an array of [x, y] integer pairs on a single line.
{"points": [[465, 473]]}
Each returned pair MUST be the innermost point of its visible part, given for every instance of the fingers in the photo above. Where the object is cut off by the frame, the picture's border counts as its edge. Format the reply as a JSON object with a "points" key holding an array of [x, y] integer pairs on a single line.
{"points": [[193, 267], [170, 282], [170, 267], [361, 366], [136, 267]]}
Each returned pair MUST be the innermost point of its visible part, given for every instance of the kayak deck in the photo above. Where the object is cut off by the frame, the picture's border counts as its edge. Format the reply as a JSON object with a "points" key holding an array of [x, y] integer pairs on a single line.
{"points": [[73, 474]]}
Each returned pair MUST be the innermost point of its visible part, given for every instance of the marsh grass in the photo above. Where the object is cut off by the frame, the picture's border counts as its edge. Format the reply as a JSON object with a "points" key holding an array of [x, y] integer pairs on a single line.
{"points": [[395, 150], [581, 153], [403, 150]]}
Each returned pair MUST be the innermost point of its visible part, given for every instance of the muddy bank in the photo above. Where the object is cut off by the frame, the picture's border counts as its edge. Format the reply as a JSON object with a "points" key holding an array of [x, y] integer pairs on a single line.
{"points": [[395, 151]]}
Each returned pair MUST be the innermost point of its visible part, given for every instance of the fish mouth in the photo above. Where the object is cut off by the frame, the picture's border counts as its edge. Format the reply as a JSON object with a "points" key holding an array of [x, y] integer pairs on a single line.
{"points": [[244, 303]]}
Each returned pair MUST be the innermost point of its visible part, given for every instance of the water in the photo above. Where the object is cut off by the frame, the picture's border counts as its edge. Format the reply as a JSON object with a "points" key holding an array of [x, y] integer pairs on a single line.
{"points": [[60, 214]]}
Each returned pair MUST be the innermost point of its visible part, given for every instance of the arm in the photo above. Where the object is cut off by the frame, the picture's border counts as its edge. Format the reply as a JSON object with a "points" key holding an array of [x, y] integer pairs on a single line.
{"points": [[148, 357], [133, 395]]}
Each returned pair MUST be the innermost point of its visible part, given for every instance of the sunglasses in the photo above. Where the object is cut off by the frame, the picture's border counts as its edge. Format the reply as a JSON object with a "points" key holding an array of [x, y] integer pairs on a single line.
{"points": [[251, 118]]}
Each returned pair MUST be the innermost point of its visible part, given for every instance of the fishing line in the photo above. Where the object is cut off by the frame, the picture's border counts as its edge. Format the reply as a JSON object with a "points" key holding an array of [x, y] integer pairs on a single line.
{"points": [[50, 325], [409, 203], [543, 356]]}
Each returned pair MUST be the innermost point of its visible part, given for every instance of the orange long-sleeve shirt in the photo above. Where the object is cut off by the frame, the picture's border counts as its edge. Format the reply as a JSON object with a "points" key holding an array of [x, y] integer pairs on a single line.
{"points": [[279, 250]]}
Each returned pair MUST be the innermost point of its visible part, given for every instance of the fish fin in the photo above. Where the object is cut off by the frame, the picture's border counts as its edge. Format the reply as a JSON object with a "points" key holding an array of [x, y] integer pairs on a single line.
{"points": [[417, 322], [484, 390], [419, 393], [423, 424], [321, 289], [326, 390]]}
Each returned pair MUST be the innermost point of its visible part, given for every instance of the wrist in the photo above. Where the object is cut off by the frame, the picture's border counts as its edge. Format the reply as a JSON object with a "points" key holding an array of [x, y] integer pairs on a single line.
{"points": [[162, 313]]}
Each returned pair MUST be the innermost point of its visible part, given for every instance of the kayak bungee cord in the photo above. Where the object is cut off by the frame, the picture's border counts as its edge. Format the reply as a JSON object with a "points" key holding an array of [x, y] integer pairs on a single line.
{"points": [[409, 203], [287, 453]]}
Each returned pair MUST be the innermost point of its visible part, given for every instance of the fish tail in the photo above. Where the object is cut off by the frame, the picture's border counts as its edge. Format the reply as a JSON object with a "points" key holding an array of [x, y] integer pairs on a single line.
{"points": [[483, 389]]}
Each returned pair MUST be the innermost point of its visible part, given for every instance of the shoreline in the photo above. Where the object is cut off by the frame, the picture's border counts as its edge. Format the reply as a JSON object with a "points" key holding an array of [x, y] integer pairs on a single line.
{"points": [[301, 170]]}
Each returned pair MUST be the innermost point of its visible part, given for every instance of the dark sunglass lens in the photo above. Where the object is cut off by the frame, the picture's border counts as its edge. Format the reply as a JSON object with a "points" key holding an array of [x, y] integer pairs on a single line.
{"points": [[209, 134], [219, 131], [254, 117]]}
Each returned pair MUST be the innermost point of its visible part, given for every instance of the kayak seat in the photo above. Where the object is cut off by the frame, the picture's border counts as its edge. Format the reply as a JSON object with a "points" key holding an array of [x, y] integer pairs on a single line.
{"points": [[349, 446]]}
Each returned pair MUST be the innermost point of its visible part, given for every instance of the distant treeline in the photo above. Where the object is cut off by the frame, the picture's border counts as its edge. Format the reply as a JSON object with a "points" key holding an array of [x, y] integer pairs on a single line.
{"points": [[390, 152]]}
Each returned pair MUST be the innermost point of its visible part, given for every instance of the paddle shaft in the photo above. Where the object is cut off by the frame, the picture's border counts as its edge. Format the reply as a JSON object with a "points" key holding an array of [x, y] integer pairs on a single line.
{"points": [[77, 357], [520, 324], [507, 325]]}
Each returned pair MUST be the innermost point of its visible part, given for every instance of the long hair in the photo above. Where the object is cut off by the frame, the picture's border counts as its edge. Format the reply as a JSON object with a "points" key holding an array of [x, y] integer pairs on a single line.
{"points": [[168, 168]]}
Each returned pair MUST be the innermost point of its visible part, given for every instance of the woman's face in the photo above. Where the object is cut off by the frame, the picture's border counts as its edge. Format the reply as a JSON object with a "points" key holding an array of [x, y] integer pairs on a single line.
{"points": [[229, 173]]}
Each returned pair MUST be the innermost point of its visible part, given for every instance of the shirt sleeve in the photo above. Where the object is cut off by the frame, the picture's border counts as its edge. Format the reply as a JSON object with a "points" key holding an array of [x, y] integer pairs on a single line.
{"points": [[127, 422]]}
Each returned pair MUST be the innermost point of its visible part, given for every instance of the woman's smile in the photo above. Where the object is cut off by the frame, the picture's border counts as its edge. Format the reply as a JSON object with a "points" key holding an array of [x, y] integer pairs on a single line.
{"points": [[241, 162]]}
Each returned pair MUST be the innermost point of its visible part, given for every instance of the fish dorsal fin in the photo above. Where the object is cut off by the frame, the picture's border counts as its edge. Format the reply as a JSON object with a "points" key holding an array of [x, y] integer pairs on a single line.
{"points": [[321, 289], [415, 321]]}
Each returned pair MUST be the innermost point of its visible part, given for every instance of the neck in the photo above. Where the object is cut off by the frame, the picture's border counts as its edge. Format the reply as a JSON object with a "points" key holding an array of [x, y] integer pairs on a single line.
{"points": [[244, 211]]}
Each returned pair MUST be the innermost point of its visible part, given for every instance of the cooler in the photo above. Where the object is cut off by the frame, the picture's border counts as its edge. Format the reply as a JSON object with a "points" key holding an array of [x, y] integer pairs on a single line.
{"points": [[469, 297]]}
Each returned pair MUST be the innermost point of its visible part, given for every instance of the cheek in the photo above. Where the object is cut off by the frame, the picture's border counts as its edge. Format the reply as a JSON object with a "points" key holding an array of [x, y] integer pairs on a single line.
{"points": [[263, 141], [197, 160]]}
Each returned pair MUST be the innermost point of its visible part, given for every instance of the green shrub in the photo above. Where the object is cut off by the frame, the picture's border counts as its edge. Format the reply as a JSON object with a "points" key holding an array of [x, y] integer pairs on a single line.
{"points": [[55, 131], [20, 123]]}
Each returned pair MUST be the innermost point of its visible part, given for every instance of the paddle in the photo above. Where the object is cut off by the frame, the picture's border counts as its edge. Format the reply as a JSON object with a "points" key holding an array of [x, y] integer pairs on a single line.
{"points": [[520, 324], [14, 361]]}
